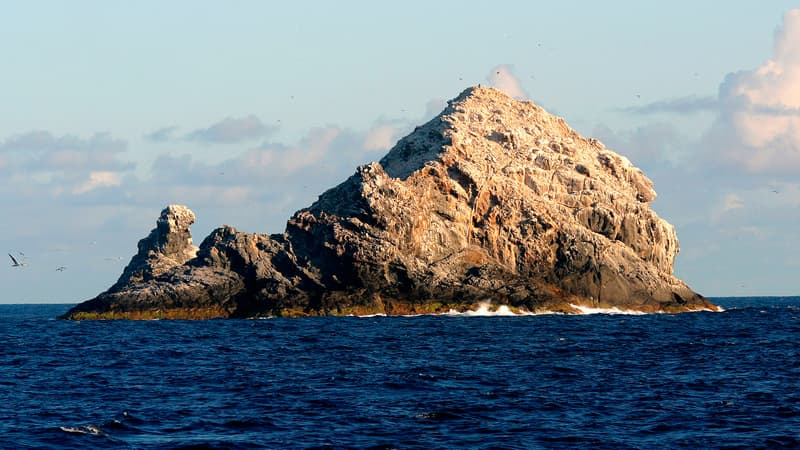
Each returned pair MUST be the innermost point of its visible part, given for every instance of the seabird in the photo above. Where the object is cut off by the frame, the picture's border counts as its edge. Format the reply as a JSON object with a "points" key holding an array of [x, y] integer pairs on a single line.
{"points": [[14, 262], [61, 268]]}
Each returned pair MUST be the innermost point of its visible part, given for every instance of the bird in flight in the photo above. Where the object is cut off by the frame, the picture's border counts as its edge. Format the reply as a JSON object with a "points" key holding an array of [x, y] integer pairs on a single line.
{"points": [[14, 262], [61, 268]]}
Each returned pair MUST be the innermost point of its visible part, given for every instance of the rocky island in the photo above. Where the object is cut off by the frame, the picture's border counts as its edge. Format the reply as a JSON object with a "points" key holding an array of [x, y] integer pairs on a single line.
{"points": [[492, 201]]}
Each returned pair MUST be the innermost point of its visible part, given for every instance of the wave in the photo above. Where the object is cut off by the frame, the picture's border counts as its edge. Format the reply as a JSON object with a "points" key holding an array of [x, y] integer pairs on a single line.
{"points": [[630, 312], [86, 429], [486, 309], [613, 311]]}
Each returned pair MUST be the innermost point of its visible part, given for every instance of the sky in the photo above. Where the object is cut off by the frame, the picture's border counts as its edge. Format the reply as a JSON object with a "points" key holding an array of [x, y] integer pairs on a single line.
{"points": [[245, 111]]}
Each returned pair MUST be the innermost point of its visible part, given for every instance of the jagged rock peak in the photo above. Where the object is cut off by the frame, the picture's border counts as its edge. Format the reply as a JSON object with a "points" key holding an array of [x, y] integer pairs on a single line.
{"points": [[514, 158], [485, 127], [172, 231], [168, 245], [175, 218]]}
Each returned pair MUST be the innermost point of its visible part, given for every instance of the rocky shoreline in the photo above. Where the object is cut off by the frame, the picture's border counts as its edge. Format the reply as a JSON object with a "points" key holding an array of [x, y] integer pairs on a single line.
{"points": [[494, 200]]}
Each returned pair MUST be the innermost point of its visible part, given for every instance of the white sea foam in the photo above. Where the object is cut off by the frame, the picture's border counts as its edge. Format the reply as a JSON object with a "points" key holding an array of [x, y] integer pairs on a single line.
{"points": [[719, 309], [88, 429], [486, 309], [631, 312], [614, 310]]}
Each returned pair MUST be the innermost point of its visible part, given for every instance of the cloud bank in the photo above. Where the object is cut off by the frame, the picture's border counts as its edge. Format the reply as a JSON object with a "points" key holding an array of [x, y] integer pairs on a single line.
{"points": [[758, 128], [46, 142], [229, 130], [164, 134], [68, 156], [98, 180], [683, 105]]}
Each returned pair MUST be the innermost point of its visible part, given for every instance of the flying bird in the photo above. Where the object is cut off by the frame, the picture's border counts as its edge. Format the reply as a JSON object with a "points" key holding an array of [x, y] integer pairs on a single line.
{"points": [[14, 262], [61, 269]]}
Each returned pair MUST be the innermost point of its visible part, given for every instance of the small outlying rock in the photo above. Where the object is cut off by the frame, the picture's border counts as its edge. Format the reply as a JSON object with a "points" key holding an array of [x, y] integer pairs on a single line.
{"points": [[167, 246]]}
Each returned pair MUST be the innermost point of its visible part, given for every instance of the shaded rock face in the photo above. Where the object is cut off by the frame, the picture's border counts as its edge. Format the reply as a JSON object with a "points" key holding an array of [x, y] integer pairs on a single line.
{"points": [[493, 200]]}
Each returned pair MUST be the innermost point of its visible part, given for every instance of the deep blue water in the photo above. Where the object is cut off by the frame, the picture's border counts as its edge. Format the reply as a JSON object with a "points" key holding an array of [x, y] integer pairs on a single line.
{"points": [[699, 380]]}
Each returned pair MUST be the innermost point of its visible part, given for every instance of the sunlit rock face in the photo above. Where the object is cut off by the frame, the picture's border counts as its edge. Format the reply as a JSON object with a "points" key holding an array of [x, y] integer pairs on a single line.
{"points": [[494, 200]]}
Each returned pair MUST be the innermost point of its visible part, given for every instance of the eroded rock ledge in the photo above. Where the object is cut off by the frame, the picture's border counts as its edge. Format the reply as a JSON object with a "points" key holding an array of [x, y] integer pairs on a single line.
{"points": [[494, 200]]}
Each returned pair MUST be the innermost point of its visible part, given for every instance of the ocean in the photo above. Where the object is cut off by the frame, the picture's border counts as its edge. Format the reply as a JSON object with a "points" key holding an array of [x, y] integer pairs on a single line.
{"points": [[697, 380]]}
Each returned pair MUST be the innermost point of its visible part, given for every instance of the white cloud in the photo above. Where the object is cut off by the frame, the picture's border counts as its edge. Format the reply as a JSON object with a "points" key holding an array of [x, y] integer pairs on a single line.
{"points": [[731, 202], [39, 141], [208, 195], [312, 150], [648, 145], [37, 153], [229, 130], [501, 77], [323, 153], [433, 107], [381, 137], [98, 180], [758, 128], [162, 134], [681, 105], [281, 159], [723, 207], [260, 159]]}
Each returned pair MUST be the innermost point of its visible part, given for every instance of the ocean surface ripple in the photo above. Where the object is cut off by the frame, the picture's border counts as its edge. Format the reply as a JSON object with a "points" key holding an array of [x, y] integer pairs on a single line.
{"points": [[697, 380]]}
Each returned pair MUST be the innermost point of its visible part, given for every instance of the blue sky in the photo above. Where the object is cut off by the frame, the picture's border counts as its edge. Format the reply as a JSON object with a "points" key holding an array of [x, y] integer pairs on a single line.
{"points": [[246, 110]]}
